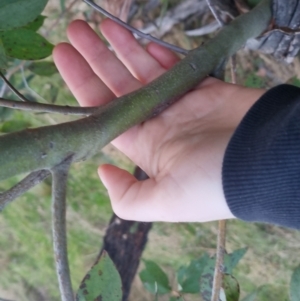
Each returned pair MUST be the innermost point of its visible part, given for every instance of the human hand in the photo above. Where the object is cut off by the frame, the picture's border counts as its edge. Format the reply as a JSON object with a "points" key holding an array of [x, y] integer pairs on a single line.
{"points": [[181, 150]]}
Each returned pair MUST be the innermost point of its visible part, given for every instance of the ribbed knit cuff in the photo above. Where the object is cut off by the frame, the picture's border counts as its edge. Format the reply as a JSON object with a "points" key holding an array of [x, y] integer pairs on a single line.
{"points": [[261, 167]]}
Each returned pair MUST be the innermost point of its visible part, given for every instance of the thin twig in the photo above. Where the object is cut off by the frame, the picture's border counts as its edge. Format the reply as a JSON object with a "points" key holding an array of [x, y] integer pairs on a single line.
{"points": [[47, 108], [13, 89], [136, 31], [218, 275], [27, 183], [214, 12], [27, 86], [209, 28], [58, 19], [221, 244], [59, 232]]}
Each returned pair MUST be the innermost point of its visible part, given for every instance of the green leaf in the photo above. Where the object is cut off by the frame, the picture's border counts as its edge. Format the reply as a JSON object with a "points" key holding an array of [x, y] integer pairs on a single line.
{"points": [[231, 260], [63, 5], [43, 68], [251, 297], [206, 280], [102, 282], [189, 277], [254, 81], [35, 24], [154, 278], [17, 13], [231, 288], [295, 285], [252, 3], [14, 126], [3, 58], [5, 113], [25, 44]]}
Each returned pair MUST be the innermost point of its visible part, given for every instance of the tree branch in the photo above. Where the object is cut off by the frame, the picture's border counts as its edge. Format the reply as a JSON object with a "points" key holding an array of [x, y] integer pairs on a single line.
{"points": [[136, 31], [215, 13], [219, 268], [45, 147], [59, 191], [47, 108], [13, 89], [27, 183]]}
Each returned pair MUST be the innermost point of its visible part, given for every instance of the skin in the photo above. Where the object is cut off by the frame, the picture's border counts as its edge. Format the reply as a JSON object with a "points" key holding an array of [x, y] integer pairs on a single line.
{"points": [[181, 150]]}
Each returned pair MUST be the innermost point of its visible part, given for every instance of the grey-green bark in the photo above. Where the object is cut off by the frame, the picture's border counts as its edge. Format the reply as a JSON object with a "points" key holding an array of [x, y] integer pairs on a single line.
{"points": [[45, 147]]}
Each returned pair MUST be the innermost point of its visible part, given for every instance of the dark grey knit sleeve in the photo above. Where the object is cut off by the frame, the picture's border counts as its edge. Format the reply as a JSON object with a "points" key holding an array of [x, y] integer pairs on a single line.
{"points": [[261, 167]]}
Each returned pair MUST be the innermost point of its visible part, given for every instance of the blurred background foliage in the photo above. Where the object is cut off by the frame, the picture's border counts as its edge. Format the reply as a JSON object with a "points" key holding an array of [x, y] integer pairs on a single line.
{"points": [[26, 259]]}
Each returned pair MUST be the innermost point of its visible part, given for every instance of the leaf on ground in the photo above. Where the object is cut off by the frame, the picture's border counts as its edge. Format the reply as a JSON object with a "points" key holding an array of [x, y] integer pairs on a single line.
{"points": [[189, 277], [25, 44], [43, 68], [154, 279], [101, 283], [17, 13], [231, 288], [295, 285], [35, 24]]}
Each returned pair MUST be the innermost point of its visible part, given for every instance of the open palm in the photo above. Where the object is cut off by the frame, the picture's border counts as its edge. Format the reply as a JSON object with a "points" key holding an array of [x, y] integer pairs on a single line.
{"points": [[181, 149]]}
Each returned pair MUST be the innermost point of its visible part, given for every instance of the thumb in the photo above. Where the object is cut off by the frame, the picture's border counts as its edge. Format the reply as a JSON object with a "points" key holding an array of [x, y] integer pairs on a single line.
{"points": [[131, 199]]}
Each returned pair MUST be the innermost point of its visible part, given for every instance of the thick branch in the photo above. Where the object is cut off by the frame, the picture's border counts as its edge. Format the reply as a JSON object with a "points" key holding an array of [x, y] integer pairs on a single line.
{"points": [[59, 191], [27, 183], [46, 147], [47, 108]]}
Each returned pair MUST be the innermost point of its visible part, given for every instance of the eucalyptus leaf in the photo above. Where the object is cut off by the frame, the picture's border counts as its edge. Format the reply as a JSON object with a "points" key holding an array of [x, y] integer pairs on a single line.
{"points": [[231, 260], [295, 285], [102, 282], [25, 44], [35, 24], [189, 277], [154, 279], [17, 13], [231, 288], [43, 68], [206, 280]]}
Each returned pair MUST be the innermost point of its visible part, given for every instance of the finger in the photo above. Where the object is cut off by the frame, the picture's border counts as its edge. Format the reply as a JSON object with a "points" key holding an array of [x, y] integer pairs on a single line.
{"points": [[164, 56], [103, 62], [87, 88], [141, 64], [131, 199]]}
